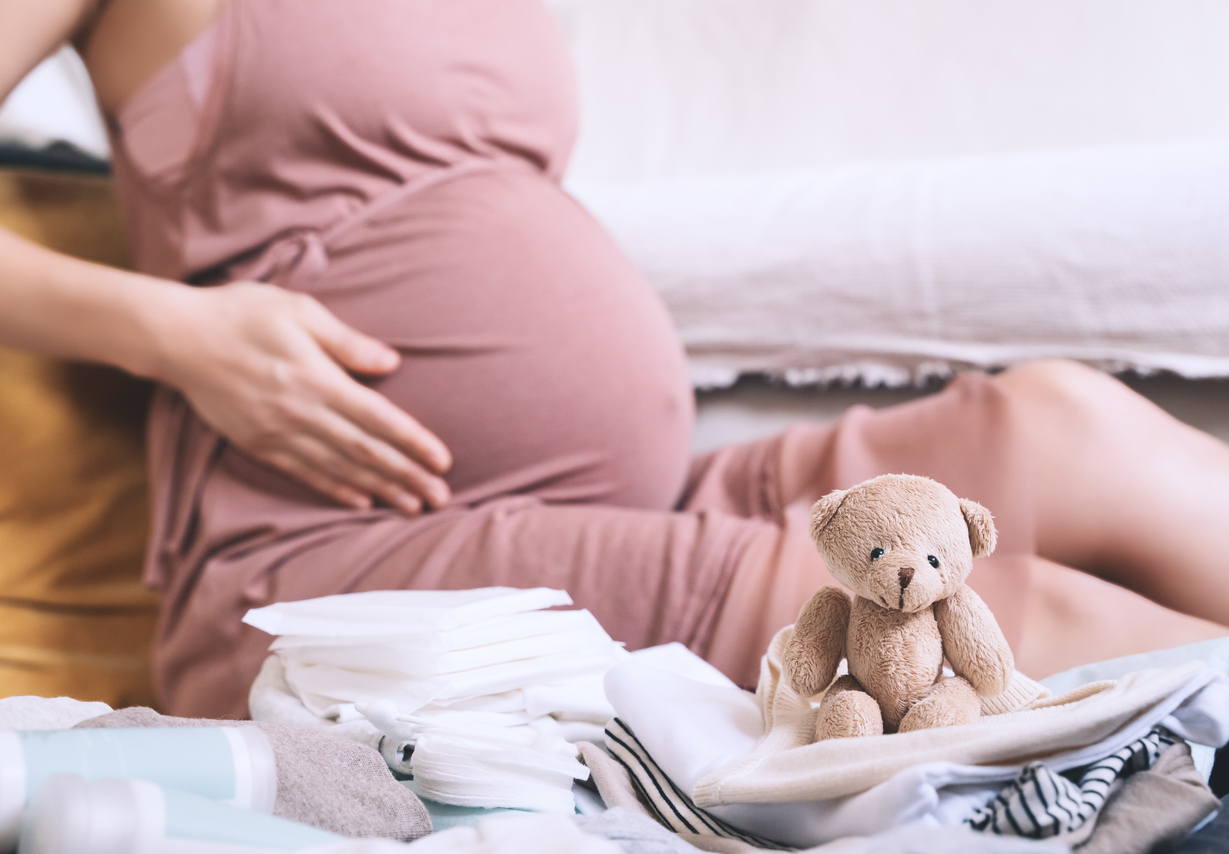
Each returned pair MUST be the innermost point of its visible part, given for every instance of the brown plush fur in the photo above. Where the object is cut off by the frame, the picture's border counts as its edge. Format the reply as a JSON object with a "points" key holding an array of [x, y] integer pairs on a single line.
{"points": [[878, 538]]}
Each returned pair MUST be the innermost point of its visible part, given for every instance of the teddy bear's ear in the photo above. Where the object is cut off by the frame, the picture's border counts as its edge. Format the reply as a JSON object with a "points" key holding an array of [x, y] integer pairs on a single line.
{"points": [[824, 511], [982, 535]]}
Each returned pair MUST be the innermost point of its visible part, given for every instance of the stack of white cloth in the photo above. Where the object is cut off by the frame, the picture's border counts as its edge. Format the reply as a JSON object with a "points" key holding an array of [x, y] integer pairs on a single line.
{"points": [[477, 694]]}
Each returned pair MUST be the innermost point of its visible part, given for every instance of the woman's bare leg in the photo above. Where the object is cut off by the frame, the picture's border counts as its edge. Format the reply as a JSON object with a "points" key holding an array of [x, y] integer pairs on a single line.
{"points": [[1123, 490], [1073, 618]]}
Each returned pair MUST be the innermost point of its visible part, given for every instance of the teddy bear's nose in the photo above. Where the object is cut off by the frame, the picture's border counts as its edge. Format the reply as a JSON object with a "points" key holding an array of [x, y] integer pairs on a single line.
{"points": [[906, 575]]}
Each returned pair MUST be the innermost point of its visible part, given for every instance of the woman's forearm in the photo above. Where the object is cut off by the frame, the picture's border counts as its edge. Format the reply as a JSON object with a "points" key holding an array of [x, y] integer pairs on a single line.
{"points": [[266, 368], [73, 309]]}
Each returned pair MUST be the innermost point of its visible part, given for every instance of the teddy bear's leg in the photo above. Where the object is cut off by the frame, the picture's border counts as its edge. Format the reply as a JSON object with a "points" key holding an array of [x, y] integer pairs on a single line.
{"points": [[950, 702], [847, 711]]}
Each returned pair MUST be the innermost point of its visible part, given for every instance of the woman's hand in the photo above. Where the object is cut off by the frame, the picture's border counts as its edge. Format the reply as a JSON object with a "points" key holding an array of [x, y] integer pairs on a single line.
{"points": [[264, 367], [267, 369]]}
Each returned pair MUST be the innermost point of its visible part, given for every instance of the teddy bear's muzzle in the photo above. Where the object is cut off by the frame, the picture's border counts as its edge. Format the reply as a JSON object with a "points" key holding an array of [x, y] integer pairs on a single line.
{"points": [[903, 588], [905, 573]]}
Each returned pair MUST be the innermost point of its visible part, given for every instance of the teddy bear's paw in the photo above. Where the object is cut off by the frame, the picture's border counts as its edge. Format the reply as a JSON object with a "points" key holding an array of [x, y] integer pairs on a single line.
{"points": [[847, 712], [951, 702]]}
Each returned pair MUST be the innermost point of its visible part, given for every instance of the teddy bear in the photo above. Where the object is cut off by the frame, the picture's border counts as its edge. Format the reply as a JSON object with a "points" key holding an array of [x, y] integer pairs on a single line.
{"points": [[904, 544]]}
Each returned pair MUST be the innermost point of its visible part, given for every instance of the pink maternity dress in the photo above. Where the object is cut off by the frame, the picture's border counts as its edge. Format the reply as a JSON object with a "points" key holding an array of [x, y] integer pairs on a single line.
{"points": [[399, 160]]}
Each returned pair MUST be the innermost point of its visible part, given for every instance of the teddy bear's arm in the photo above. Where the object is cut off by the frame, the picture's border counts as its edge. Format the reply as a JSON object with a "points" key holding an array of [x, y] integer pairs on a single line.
{"points": [[817, 646], [974, 643]]}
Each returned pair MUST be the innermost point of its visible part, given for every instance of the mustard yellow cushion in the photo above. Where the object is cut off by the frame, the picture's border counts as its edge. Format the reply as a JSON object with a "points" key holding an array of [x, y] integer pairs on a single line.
{"points": [[74, 617]]}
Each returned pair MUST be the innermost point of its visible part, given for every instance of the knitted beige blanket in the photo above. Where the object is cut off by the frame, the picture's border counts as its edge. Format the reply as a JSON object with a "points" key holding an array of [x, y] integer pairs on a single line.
{"points": [[1022, 725]]}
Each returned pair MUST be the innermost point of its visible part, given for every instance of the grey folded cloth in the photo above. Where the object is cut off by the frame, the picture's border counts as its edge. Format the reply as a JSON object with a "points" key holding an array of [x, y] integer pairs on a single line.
{"points": [[1154, 809], [331, 783]]}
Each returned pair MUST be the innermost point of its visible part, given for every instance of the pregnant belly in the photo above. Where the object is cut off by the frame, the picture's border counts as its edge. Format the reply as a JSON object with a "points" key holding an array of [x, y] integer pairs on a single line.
{"points": [[531, 345]]}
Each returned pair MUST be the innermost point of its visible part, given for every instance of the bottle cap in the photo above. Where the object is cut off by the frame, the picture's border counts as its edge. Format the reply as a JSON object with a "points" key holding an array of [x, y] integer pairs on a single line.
{"points": [[255, 768], [70, 816], [12, 789]]}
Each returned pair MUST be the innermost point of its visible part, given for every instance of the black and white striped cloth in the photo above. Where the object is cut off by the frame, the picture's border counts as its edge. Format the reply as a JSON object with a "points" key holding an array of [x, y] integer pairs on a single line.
{"points": [[1040, 803], [669, 804]]}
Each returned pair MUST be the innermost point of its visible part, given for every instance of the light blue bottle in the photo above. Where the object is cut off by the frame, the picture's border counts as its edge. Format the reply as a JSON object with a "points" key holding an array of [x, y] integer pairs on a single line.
{"points": [[69, 815], [234, 765]]}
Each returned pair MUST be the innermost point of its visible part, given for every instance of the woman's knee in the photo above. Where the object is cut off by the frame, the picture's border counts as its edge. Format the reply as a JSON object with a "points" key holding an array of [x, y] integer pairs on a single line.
{"points": [[1069, 396], [1072, 383], [1073, 618]]}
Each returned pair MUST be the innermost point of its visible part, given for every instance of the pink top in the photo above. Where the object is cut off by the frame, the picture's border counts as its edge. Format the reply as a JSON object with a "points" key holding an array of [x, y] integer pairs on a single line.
{"points": [[435, 89], [159, 123]]}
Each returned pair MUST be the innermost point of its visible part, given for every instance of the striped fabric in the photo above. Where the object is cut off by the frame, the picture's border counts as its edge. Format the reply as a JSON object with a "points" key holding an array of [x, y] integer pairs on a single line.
{"points": [[668, 803], [1040, 803]]}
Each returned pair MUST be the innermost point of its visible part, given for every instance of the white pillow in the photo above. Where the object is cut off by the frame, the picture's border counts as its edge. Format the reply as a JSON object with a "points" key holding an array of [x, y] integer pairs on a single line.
{"points": [[55, 103], [891, 271]]}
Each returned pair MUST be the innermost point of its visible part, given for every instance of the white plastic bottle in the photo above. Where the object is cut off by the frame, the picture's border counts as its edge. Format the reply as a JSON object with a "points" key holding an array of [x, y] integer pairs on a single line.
{"points": [[234, 765], [69, 815]]}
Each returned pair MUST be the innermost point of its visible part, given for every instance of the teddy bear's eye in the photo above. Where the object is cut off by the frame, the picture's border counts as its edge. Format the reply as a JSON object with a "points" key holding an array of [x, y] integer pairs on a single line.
{"points": [[934, 561], [876, 554]]}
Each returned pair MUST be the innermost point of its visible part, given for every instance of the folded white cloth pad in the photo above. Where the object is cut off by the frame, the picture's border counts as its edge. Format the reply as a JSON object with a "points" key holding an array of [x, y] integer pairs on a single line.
{"points": [[749, 761], [475, 693]]}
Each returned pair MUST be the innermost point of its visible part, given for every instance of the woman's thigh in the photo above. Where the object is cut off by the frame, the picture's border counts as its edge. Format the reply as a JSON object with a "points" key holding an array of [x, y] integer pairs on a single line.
{"points": [[1073, 618], [1122, 489]]}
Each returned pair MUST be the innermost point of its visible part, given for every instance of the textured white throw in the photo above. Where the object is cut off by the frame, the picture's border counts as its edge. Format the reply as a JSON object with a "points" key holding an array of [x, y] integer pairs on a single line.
{"points": [[893, 271]]}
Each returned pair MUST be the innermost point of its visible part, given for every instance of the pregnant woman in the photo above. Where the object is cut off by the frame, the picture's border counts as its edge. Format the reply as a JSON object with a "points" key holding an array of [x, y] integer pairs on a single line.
{"points": [[391, 169]]}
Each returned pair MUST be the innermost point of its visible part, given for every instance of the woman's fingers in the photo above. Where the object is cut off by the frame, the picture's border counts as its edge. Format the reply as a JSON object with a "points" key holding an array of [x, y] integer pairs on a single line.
{"points": [[313, 477], [375, 465], [373, 413], [343, 421], [318, 464], [352, 349], [370, 410], [269, 369]]}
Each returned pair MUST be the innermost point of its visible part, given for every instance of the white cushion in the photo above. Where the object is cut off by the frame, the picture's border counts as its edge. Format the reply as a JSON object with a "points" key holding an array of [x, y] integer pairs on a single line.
{"points": [[892, 271]]}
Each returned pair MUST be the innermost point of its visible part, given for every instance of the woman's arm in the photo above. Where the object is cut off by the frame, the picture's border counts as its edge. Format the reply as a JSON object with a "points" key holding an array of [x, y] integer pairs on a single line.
{"points": [[265, 367]]}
